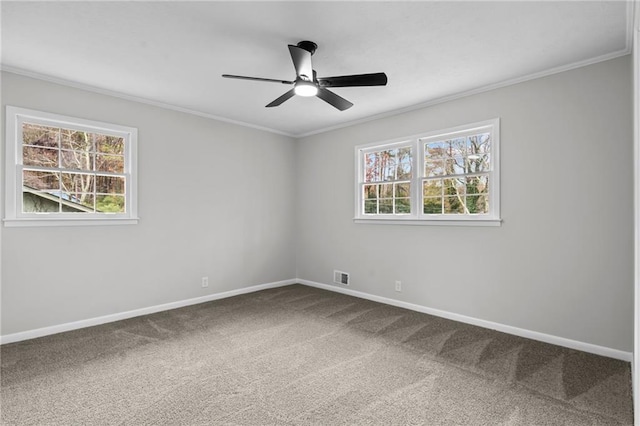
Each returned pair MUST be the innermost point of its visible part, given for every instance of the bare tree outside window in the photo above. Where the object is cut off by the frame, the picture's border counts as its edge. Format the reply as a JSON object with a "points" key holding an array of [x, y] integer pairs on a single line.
{"points": [[387, 188], [445, 177], [457, 175], [69, 170]]}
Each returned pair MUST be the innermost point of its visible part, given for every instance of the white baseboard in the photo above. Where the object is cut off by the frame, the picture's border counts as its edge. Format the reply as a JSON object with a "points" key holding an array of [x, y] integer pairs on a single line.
{"points": [[534, 335], [45, 331], [555, 340]]}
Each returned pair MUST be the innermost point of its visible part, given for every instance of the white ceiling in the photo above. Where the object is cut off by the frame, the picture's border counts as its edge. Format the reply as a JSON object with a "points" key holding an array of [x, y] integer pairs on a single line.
{"points": [[173, 53]]}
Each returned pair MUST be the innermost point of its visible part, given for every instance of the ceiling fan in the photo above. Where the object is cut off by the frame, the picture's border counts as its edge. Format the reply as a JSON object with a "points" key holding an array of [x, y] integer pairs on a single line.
{"points": [[308, 84]]}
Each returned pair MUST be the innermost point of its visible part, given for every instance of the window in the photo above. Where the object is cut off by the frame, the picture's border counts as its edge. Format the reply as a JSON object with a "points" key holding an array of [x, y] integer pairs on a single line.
{"points": [[68, 171], [387, 181], [445, 177]]}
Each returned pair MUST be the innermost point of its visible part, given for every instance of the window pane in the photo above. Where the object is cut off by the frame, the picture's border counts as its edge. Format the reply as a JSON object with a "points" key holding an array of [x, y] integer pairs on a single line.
{"points": [[478, 194], [109, 185], [77, 140], [478, 150], [477, 184], [39, 202], [435, 150], [109, 144], [455, 147], [77, 182], [460, 155], [377, 166], [455, 166], [110, 163], [386, 190], [479, 163], [432, 187], [403, 189], [455, 186], [371, 168], [370, 191], [41, 180], [35, 134], [403, 205], [386, 206], [478, 204], [432, 205], [77, 160], [404, 164], [453, 205], [387, 165], [434, 168], [82, 200], [479, 144], [36, 156], [371, 206], [110, 203]]}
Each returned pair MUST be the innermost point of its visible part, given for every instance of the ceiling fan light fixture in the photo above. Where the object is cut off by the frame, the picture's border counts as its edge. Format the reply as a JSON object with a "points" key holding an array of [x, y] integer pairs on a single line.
{"points": [[307, 84], [305, 88]]}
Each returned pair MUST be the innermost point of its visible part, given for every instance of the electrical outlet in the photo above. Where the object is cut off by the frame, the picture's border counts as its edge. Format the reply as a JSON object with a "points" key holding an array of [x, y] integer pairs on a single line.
{"points": [[205, 281], [398, 285]]}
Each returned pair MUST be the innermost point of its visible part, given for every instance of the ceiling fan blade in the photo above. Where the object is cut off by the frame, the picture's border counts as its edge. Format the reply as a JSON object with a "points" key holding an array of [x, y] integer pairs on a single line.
{"points": [[282, 98], [242, 77], [302, 62], [375, 79], [331, 98]]}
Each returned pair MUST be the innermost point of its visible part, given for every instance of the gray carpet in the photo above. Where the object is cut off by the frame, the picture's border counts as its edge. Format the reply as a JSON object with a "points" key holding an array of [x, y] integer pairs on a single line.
{"points": [[297, 355]]}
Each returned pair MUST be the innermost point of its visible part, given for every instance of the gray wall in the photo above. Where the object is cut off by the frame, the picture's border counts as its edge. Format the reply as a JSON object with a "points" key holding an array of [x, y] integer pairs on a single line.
{"points": [[214, 200], [562, 261]]}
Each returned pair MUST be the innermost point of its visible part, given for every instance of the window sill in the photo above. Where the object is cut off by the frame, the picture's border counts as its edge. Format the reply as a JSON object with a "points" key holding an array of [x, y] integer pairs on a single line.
{"points": [[425, 222], [26, 222]]}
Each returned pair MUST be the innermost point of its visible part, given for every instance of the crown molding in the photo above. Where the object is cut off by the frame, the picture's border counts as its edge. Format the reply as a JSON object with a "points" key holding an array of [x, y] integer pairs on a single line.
{"points": [[632, 15], [112, 93], [486, 88]]}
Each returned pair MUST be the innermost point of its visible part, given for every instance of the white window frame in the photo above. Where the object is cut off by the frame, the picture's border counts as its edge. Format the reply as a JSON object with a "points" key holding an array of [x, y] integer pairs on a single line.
{"points": [[417, 142], [14, 216]]}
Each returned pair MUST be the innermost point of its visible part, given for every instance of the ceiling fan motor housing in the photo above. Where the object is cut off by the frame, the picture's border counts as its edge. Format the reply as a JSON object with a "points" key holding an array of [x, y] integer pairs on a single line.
{"points": [[309, 46]]}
